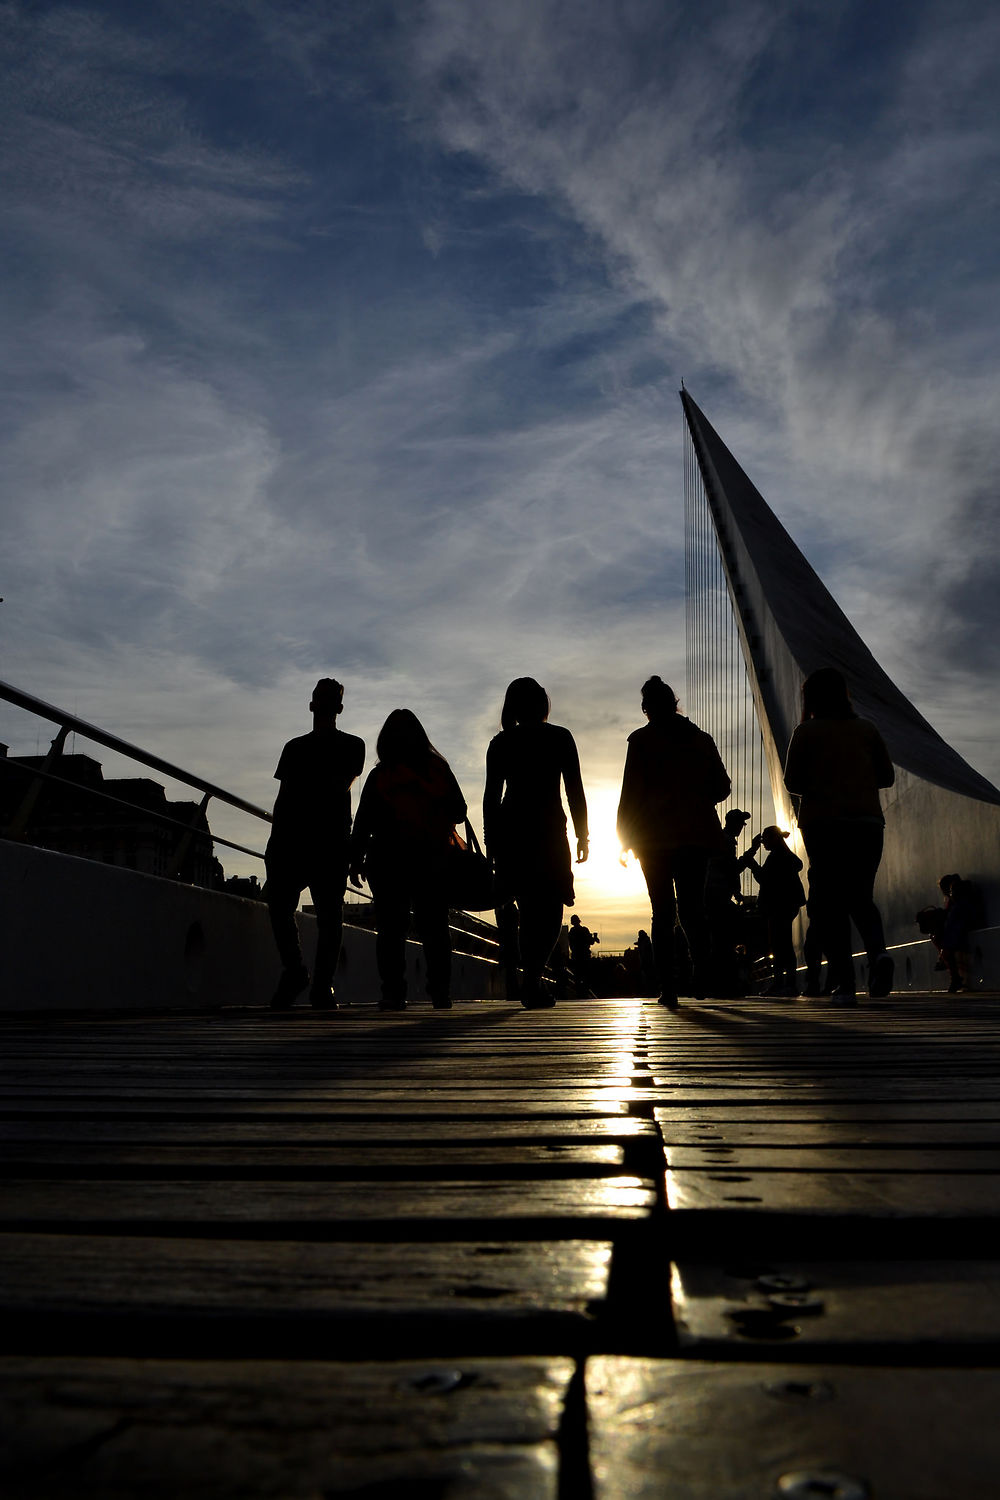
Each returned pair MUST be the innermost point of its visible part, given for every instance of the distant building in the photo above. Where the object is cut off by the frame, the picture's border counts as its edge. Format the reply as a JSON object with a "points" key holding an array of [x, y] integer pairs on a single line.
{"points": [[124, 821]]}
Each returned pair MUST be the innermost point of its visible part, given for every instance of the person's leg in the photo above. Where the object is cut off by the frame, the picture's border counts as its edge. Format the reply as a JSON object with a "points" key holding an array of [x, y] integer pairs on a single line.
{"points": [[865, 857], [783, 951], [391, 894], [327, 887], [284, 887], [510, 951], [658, 872], [689, 867], [540, 921], [431, 917], [828, 880]]}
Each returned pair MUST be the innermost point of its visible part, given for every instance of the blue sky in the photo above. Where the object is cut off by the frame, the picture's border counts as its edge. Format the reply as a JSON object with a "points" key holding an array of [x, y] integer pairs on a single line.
{"points": [[346, 340]]}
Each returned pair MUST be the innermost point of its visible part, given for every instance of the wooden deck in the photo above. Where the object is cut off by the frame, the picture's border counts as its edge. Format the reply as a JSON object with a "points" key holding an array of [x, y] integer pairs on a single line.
{"points": [[746, 1250]]}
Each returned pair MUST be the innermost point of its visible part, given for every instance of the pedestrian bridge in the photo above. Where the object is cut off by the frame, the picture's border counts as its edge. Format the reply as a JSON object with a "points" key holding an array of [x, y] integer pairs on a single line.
{"points": [[606, 1251]]}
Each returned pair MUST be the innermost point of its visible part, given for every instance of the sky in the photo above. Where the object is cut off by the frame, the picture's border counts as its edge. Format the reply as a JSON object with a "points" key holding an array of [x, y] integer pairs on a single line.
{"points": [[345, 340]]}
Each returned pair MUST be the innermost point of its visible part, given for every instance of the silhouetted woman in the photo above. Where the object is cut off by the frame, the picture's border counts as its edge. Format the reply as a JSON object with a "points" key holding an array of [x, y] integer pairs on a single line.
{"points": [[524, 825], [835, 765], [673, 779], [406, 816]]}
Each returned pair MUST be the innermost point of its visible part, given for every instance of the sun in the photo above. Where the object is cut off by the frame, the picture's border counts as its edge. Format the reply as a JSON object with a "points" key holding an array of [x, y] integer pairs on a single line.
{"points": [[609, 897]]}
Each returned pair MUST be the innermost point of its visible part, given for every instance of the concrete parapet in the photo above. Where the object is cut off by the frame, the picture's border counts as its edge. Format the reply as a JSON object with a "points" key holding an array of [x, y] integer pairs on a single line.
{"points": [[78, 934]]}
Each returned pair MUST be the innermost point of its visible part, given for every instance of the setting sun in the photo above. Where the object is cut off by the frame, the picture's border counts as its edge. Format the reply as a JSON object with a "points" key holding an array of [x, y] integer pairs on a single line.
{"points": [[610, 899]]}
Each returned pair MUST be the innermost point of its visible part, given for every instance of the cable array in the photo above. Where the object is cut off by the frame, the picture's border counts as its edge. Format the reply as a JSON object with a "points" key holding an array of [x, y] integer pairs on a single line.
{"points": [[718, 691]]}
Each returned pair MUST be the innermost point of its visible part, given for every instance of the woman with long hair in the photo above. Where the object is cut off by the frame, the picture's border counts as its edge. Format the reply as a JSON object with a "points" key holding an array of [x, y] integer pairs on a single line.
{"points": [[524, 824], [404, 825], [673, 779], [835, 765]]}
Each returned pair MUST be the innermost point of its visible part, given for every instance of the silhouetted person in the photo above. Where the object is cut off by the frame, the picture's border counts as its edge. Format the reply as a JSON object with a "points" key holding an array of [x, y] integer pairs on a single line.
{"points": [[308, 846], [524, 825], [404, 826], [673, 779], [835, 765], [581, 940], [781, 895], [962, 912], [722, 888]]}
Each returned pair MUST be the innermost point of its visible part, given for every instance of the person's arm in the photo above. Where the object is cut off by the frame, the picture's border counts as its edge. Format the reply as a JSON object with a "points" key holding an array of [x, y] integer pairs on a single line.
{"points": [[795, 765], [492, 794], [885, 771], [719, 781], [361, 833], [576, 797], [458, 808], [627, 802]]}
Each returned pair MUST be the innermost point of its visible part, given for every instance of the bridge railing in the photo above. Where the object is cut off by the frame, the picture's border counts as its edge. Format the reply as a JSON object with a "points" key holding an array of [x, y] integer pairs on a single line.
{"points": [[473, 930]]}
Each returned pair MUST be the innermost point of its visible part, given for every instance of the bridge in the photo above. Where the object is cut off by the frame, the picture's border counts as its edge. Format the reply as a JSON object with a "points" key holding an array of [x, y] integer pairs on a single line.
{"points": [[607, 1251]]}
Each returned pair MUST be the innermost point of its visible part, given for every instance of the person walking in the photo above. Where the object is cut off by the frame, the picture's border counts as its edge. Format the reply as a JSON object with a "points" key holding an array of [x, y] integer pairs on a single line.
{"points": [[673, 779], [404, 826], [835, 766], [308, 846], [524, 827]]}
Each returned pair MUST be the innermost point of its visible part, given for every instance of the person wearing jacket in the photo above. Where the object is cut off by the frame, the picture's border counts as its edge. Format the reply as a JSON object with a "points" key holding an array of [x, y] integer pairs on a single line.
{"points": [[402, 832], [779, 899], [673, 779], [835, 766]]}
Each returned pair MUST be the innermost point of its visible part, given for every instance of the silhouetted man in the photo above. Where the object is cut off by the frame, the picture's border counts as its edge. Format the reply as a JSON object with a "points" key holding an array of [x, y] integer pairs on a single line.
{"points": [[309, 845]]}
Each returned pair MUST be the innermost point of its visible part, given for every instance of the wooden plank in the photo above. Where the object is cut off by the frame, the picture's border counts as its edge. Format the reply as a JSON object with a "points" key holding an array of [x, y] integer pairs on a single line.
{"points": [[325, 1210], [856, 1194], [905, 1135], [439, 1161], [125, 1295], [236, 1131], [857, 1308], [698, 1431], [874, 1158], [272, 1431]]}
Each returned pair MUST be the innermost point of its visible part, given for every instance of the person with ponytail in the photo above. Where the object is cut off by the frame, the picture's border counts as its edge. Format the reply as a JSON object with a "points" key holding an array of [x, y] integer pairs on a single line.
{"points": [[673, 779], [524, 824]]}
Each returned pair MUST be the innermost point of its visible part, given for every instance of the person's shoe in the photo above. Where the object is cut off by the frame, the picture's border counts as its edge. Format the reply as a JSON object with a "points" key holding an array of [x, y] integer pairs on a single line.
{"points": [[441, 1002], [392, 1004], [670, 1001], [321, 997], [843, 998], [290, 986], [537, 997], [880, 973]]}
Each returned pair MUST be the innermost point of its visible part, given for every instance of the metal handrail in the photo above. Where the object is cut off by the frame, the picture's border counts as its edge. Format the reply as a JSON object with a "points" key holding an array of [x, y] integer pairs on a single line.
{"points": [[31, 772], [122, 747]]}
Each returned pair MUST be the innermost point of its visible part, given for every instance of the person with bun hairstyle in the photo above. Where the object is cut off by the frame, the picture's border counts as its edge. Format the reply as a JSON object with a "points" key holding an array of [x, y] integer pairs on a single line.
{"points": [[835, 765], [524, 825], [673, 779], [402, 833]]}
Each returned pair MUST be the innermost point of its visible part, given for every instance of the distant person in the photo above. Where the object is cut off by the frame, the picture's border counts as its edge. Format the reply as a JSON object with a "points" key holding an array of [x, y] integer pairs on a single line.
{"points": [[962, 912], [673, 779], [835, 765], [524, 823], [404, 826], [780, 899], [722, 891], [581, 940], [308, 846]]}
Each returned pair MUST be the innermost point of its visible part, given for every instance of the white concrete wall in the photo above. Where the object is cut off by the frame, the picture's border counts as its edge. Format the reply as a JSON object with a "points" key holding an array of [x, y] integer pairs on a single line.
{"points": [[78, 934]]}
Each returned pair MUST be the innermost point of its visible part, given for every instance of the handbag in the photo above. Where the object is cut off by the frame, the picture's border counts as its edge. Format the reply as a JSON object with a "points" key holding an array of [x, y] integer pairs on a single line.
{"points": [[468, 873]]}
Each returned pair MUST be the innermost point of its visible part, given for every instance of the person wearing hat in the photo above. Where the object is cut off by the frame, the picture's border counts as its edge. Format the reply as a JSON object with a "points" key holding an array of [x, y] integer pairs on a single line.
{"points": [[310, 833], [781, 896]]}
